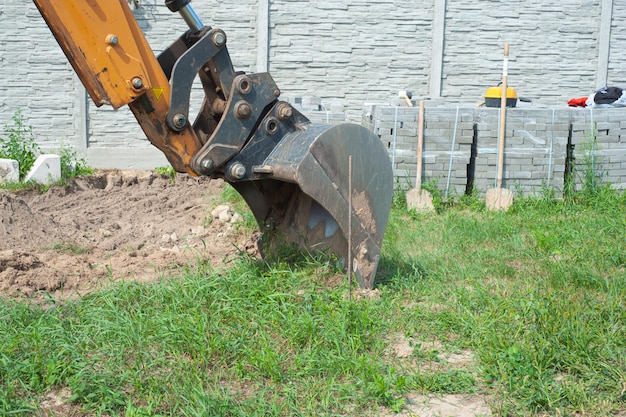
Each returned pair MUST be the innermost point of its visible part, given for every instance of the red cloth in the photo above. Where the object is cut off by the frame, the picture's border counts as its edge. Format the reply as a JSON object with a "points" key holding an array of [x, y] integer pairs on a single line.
{"points": [[578, 102]]}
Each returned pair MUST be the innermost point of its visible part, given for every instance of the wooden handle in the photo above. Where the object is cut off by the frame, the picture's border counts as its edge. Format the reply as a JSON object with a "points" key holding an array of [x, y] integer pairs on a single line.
{"points": [[420, 143], [505, 76]]}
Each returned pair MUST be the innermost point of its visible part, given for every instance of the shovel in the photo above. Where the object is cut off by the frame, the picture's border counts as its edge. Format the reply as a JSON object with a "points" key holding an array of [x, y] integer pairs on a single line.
{"points": [[500, 198], [418, 199]]}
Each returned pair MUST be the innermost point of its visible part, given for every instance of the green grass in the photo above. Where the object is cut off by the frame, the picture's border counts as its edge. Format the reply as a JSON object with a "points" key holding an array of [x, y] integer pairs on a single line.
{"points": [[536, 294]]}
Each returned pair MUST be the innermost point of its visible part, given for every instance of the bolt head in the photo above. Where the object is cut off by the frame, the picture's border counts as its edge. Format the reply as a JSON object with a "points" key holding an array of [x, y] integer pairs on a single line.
{"points": [[219, 38], [243, 110], [285, 111], [112, 40], [207, 164], [237, 171], [179, 120], [137, 83]]}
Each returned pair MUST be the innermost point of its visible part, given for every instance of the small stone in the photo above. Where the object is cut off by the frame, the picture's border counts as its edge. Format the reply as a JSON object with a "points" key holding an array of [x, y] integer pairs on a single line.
{"points": [[219, 209], [224, 217]]}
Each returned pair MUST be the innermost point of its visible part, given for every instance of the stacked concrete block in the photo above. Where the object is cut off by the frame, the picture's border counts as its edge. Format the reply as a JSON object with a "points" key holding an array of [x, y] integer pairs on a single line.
{"points": [[447, 144], [318, 110], [397, 129], [535, 149], [599, 146], [448, 135]]}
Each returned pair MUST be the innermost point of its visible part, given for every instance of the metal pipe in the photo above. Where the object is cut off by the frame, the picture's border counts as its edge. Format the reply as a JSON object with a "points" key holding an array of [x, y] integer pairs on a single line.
{"points": [[191, 18]]}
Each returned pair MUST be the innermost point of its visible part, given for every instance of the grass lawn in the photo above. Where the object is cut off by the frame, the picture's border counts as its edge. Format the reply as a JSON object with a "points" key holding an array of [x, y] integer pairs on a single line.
{"points": [[526, 308]]}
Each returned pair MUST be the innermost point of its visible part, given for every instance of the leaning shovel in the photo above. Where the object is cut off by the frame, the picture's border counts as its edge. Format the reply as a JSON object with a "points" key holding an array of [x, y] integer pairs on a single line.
{"points": [[500, 198], [417, 198]]}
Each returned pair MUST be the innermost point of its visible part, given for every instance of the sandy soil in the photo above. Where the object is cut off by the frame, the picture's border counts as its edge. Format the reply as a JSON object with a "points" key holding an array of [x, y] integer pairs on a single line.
{"points": [[109, 226]]}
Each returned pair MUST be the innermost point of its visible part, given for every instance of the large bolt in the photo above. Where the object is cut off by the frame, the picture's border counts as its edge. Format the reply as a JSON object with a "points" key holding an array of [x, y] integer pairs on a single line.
{"points": [[237, 170], [285, 111], [243, 110], [244, 86], [271, 125], [179, 121], [219, 38], [137, 83], [112, 40], [207, 164]]}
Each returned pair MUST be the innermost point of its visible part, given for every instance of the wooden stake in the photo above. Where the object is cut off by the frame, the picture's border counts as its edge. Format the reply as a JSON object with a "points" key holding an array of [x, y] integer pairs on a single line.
{"points": [[350, 227]]}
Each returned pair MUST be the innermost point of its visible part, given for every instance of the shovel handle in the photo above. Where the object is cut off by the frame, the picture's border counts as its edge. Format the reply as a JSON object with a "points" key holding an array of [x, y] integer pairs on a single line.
{"points": [[420, 145], [505, 76]]}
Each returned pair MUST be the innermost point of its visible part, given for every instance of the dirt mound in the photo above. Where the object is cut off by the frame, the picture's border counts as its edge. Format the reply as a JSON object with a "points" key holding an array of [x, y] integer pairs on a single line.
{"points": [[112, 225]]}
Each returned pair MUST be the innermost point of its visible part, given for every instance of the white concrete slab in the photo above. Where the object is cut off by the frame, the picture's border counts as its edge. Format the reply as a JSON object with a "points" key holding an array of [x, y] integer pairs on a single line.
{"points": [[46, 170]]}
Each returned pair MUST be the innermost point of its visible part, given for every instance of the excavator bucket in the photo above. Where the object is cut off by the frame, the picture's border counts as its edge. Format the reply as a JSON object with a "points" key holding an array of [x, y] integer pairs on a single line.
{"points": [[325, 188]]}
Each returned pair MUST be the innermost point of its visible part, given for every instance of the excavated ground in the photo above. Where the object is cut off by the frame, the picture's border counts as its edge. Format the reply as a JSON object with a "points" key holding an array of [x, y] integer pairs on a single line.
{"points": [[113, 225]]}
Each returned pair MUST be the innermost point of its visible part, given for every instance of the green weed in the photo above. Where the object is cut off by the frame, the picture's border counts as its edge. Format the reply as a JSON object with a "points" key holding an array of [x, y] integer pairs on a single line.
{"points": [[20, 144], [167, 172]]}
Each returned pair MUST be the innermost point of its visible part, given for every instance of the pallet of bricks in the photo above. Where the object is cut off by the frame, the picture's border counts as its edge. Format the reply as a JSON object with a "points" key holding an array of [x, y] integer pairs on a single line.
{"points": [[448, 133], [535, 150], [460, 147]]}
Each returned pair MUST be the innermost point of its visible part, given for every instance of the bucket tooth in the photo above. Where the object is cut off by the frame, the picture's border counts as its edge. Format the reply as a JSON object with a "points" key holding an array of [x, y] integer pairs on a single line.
{"points": [[304, 197]]}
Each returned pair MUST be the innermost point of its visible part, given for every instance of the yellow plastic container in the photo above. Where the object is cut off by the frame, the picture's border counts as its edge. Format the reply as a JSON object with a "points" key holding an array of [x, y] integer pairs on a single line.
{"points": [[493, 97]]}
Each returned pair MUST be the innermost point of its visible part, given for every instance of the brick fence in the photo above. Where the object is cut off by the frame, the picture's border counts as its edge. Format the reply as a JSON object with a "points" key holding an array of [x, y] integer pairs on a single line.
{"points": [[542, 147]]}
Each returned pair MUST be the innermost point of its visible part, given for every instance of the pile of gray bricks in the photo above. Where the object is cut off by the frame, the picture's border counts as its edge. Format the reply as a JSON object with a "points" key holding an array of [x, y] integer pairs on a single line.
{"points": [[448, 134], [534, 152], [460, 148]]}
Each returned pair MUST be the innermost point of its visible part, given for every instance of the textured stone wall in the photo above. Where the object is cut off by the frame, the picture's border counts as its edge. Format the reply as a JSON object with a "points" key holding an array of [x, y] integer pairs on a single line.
{"points": [[553, 48], [617, 57], [343, 53], [35, 76]]}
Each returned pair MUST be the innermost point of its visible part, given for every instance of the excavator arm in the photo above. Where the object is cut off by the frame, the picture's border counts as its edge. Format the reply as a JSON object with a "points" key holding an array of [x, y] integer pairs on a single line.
{"points": [[321, 187]]}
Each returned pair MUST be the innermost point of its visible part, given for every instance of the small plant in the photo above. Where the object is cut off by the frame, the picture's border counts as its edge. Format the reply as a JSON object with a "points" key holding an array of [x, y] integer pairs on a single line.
{"points": [[588, 171], [20, 145], [71, 165], [69, 248], [438, 198], [167, 172]]}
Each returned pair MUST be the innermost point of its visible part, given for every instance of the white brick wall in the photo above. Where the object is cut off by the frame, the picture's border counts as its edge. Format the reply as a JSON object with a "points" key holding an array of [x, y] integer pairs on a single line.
{"points": [[342, 51]]}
